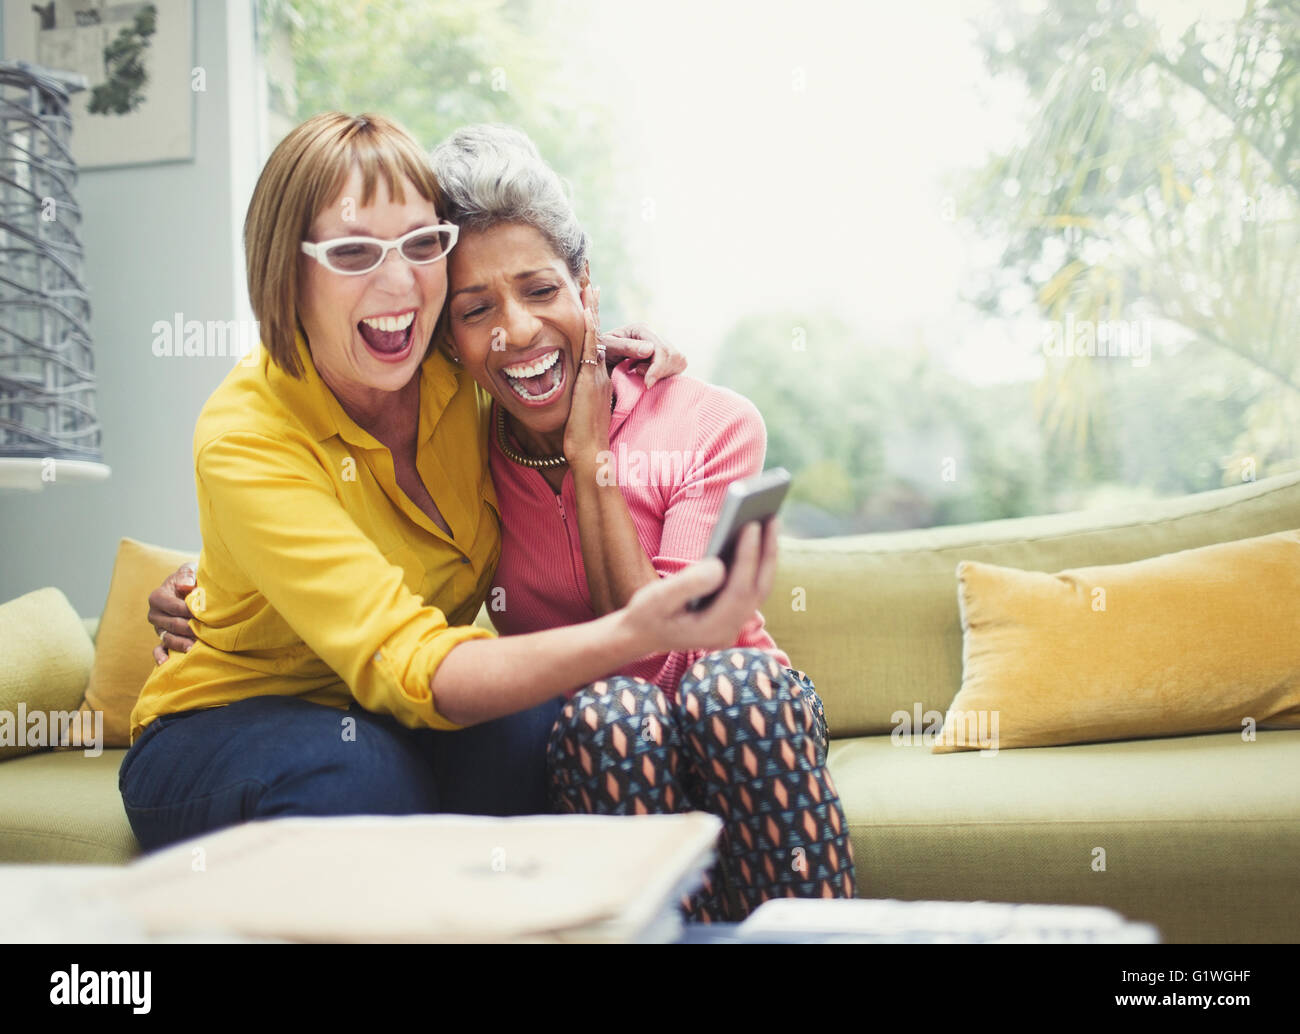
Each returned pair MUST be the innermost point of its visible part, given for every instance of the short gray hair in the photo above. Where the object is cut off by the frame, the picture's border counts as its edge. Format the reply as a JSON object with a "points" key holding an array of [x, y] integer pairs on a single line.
{"points": [[491, 174]]}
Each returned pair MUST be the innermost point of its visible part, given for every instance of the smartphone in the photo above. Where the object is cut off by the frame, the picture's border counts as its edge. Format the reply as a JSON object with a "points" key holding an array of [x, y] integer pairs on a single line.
{"points": [[756, 498]]}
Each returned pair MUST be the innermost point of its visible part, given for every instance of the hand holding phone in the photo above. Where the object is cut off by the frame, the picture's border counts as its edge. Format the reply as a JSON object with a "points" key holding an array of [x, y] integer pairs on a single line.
{"points": [[756, 498]]}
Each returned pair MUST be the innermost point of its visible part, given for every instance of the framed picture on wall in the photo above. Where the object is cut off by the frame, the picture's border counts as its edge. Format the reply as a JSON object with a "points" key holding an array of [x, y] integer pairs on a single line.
{"points": [[139, 61]]}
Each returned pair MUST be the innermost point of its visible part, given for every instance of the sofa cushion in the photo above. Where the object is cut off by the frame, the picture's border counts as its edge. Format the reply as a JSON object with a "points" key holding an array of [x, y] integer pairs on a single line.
{"points": [[47, 658], [1200, 833], [873, 619], [125, 640], [1203, 640], [64, 807]]}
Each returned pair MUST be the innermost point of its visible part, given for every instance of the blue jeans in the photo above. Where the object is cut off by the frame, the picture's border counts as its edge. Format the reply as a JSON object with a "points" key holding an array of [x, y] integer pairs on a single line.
{"points": [[193, 772]]}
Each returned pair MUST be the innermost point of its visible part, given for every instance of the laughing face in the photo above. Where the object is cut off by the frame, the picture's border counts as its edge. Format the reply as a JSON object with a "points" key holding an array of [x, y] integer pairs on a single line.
{"points": [[517, 326], [369, 333]]}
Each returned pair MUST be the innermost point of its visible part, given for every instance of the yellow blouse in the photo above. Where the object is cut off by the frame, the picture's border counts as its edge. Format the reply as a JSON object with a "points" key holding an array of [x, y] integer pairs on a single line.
{"points": [[318, 576]]}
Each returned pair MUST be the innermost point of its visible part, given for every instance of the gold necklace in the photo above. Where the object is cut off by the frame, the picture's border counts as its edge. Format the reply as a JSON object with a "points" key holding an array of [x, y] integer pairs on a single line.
{"points": [[536, 462]]}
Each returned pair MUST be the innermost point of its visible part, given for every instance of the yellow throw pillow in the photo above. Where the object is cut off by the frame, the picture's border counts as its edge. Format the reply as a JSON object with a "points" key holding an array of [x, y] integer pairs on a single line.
{"points": [[125, 640], [46, 661], [1202, 640]]}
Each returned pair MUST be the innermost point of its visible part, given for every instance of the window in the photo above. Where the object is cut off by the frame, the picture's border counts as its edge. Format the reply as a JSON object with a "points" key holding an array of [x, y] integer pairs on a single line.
{"points": [[971, 260]]}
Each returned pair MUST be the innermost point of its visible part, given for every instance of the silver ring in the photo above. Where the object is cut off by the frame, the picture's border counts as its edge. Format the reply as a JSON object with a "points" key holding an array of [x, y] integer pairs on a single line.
{"points": [[161, 632]]}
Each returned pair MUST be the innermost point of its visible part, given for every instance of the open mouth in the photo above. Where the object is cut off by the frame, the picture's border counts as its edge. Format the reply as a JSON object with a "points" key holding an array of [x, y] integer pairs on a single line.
{"points": [[538, 381], [388, 337]]}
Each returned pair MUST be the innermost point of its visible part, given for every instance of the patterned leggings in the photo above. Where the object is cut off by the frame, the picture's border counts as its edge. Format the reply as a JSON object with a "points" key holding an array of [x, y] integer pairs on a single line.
{"points": [[746, 740]]}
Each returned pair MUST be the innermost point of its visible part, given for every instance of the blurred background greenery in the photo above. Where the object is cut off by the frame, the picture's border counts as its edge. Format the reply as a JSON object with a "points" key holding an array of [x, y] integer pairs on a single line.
{"points": [[1148, 174]]}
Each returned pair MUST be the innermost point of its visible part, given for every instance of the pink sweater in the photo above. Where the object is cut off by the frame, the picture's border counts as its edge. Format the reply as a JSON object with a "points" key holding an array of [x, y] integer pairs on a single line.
{"points": [[678, 447]]}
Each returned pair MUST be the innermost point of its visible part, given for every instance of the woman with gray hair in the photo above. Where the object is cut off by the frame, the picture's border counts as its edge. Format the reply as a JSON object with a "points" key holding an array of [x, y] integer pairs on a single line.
{"points": [[737, 732]]}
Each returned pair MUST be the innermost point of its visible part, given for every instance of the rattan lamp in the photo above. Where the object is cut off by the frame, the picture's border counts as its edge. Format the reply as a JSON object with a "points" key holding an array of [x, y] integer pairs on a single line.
{"points": [[48, 428]]}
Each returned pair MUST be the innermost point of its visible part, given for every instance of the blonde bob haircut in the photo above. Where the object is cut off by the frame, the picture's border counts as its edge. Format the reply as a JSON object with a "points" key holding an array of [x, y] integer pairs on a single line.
{"points": [[304, 174]]}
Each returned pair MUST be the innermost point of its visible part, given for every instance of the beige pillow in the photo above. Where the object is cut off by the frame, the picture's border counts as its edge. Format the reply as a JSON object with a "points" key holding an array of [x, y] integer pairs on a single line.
{"points": [[1202, 640], [47, 656], [125, 640]]}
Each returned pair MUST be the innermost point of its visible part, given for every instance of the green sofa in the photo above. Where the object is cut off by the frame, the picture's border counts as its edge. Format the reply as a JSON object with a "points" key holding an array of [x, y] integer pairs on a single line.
{"points": [[1201, 834]]}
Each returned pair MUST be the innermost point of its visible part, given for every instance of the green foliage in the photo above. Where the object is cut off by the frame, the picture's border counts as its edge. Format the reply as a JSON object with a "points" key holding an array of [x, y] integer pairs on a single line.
{"points": [[1156, 180], [879, 438], [123, 91], [882, 438]]}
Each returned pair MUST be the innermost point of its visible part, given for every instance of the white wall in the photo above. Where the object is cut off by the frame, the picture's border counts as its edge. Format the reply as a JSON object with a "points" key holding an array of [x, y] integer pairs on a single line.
{"points": [[159, 239]]}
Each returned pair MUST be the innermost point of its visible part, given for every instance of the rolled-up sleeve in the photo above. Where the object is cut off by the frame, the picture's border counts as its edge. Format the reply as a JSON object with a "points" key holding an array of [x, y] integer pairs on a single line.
{"points": [[277, 514]]}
